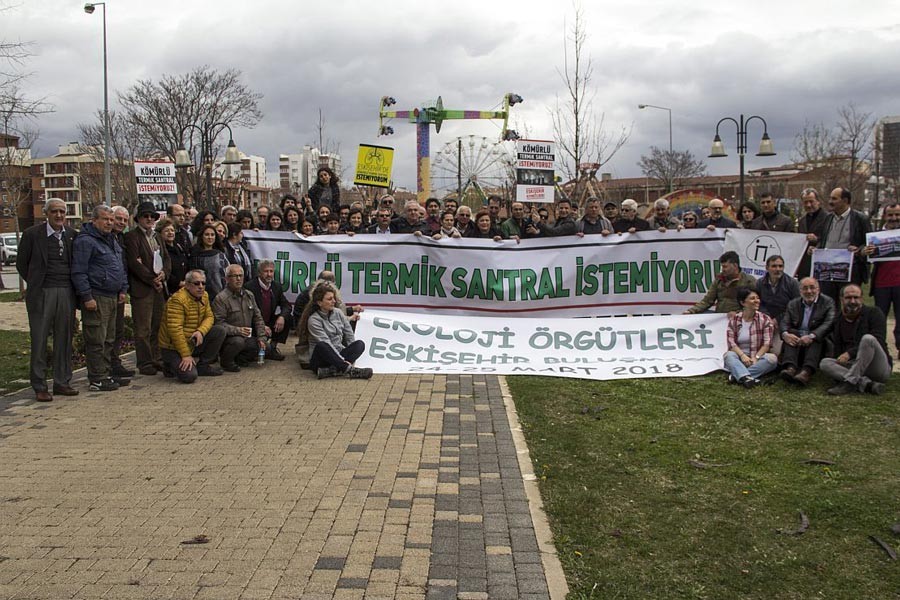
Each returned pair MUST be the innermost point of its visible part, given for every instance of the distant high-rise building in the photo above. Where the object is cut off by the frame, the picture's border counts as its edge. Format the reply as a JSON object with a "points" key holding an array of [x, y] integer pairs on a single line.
{"points": [[252, 170], [298, 171], [889, 132]]}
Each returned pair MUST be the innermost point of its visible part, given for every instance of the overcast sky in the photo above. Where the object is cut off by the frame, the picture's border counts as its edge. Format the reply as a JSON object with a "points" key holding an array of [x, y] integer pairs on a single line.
{"points": [[787, 61]]}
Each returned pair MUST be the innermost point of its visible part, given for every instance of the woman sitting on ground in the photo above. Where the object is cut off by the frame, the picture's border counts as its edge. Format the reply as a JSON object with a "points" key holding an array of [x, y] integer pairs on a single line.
{"points": [[331, 345], [749, 339]]}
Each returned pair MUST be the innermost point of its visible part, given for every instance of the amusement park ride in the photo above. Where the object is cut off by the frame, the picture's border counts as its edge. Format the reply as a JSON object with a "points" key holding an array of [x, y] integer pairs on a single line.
{"points": [[436, 113]]}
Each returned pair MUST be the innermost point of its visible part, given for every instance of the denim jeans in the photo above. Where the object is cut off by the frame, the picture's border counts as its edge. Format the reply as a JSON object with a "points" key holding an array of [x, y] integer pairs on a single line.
{"points": [[739, 370]]}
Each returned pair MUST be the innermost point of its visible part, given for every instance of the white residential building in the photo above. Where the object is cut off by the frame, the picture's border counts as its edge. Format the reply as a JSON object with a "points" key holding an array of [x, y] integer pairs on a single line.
{"points": [[252, 170], [298, 171]]}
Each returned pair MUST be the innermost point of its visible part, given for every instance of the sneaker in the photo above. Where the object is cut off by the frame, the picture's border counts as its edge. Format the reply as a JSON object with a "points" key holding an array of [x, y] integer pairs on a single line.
{"points": [[875, 388], [232, 368], [748, 382], [208, 371], [731, 379], [274, 354], [121, 381], [121, 371], [358, 373], [842, 389], [104, 385], [326, 372]]}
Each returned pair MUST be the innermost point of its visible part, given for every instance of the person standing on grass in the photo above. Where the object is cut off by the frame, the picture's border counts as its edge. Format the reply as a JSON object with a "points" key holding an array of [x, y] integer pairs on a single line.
{"points": [[44, 261], [886, 275], [101, 284]]}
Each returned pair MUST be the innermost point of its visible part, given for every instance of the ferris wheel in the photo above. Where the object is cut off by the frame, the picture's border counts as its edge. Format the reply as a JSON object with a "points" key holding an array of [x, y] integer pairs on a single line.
{"points": [[473, 166]]}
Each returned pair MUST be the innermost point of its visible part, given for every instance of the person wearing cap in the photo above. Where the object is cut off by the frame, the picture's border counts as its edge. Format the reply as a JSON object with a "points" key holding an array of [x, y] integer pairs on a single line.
{"points": [[629, 222], [148, 268], [611, 211], [716, 219]]}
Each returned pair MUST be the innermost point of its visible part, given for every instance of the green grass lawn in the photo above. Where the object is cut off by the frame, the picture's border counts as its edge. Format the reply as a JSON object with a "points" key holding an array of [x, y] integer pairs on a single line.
{"points": [[10, 296], [15, 350], [633, 518]]}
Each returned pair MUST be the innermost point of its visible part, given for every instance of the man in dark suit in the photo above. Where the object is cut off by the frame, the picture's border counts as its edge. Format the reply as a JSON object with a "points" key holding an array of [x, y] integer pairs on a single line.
{"points": [[807, 320], [861, 363], [274, 306], [846, 229], [812, 223], [45, 261], [146, 256]]}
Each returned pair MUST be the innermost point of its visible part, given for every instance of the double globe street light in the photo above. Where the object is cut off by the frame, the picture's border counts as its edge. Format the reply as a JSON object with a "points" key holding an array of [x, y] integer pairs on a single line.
{"points": [[765, 144], [208, 134]]}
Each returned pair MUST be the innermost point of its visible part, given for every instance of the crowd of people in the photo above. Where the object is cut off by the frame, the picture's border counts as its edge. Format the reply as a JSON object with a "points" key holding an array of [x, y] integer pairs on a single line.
{"points": [[199, 298], [800, 327]]}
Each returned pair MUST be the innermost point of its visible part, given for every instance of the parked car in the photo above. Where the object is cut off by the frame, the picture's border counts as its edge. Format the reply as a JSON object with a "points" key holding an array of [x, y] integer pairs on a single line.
{"points": [[9, 247]]}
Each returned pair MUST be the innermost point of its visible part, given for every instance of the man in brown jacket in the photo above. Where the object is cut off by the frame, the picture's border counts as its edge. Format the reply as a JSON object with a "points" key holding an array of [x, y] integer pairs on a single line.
{"points": [[236, 312], [148, 269]]}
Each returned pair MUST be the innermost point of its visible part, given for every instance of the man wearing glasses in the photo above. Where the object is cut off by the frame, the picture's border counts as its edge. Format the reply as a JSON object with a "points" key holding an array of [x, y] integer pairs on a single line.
{"points": [[382, 225], [189, 339], [629, 222], [716, 217], [44, 262], [236, 311], [148, 268]]}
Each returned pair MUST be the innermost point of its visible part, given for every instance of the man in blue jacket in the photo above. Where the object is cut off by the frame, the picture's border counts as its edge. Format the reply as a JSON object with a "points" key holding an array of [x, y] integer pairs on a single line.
{"points": [[100, 280]]}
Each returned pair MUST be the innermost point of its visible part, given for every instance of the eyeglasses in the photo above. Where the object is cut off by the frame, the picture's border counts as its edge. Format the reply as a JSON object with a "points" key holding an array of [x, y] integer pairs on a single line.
{"points": [[153, 216], [198, 283], [690, 220], [235, 276]]}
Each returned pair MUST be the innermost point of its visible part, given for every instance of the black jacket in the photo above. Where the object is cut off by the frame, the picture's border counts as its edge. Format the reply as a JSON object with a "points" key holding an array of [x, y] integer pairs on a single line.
{"points": [[278, 300], [820, 322], [870, 321], [31, 260], [859, 227]]}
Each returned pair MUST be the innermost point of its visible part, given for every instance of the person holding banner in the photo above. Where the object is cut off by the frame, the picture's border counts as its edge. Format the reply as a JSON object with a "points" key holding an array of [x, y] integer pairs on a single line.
{"points": [[448, 229], [593, 221], [716, 217], [333, 346], [812, 223], [564, 224], [771, 219], [662, 220], [484, 228], [886, 275], [723, 292], [464, 220], [433, 218], [750, 334], [846, 229], [629, 222], [517, 226]]}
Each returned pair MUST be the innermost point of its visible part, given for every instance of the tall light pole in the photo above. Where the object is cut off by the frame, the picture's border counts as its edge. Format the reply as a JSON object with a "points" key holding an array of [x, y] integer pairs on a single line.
{"points": [[208, 134], [89, 9], [765, 144], [671, 155]]}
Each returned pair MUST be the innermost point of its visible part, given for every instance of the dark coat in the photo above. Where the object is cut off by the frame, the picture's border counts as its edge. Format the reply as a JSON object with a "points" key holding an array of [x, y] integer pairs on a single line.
{"points": [[278, 300], [859, 227], [779, 223], [870, 321], [315, 195], [139, 258], [31, 261], [816, 225], [820, 323]]}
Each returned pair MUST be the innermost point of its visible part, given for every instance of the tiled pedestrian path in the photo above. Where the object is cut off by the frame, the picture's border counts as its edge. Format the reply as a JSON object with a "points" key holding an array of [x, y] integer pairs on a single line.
{"points": [[399, 487]]}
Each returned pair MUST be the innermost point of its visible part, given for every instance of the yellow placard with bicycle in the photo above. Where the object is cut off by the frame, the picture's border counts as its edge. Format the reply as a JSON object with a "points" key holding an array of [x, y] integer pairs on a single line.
{"points": [[373, 165]]}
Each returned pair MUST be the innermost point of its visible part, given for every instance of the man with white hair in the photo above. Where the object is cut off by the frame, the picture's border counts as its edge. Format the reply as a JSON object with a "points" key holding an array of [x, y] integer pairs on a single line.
{"points": [[716, 217], [116, 367], [412, 222], [629, 222], [236, 311], [228, 214], [44, 261], [662, 218]]}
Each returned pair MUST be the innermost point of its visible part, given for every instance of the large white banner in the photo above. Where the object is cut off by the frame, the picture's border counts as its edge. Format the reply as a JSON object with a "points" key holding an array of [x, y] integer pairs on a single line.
{"points": [[631, 274], [607, 348], [754, 247], [642, 273]]}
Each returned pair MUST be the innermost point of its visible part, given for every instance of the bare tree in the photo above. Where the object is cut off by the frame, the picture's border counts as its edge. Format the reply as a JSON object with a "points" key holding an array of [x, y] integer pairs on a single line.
{"points": [[671, 168], [159, 112], [126, 146], [815, 145], [854, 131], [579, 131], [326, 144]]}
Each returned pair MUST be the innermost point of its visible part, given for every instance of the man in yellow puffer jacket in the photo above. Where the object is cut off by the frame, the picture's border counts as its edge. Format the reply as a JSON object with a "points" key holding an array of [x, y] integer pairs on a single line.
{"points": [[188, 338]]}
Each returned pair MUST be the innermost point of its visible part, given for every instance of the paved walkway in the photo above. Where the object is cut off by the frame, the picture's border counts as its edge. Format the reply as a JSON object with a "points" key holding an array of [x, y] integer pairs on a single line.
{"points": [[399, 487]]}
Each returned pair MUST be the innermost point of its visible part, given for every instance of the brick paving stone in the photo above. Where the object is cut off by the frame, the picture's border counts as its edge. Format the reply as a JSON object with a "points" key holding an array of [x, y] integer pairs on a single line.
{"points": [[396, 487]]}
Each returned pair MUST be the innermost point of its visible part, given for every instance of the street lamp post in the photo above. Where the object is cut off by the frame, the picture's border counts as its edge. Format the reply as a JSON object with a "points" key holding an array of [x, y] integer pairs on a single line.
{"points": [[208, 134], [671, 155], [89, 9], [765, 144]]}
